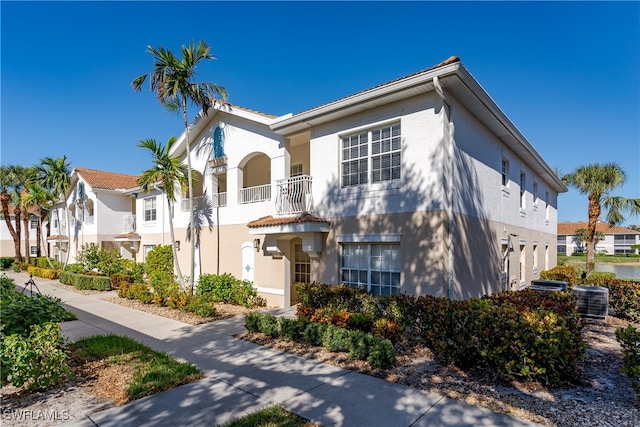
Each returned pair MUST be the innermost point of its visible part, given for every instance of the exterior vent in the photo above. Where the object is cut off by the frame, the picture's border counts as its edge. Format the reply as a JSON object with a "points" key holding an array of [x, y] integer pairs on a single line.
{"points": [[593, 301]]}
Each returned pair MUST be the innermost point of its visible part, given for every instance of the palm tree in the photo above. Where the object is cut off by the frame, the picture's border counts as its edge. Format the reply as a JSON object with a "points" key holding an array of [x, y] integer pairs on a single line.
{"points": [[581, 235], [172, 82], [36, 196], [169, 174], [13, 179], [55, 176], [597, 181]]}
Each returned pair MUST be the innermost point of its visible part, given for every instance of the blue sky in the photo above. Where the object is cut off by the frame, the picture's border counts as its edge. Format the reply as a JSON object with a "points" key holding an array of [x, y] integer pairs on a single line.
{"points": [[567, 74]]}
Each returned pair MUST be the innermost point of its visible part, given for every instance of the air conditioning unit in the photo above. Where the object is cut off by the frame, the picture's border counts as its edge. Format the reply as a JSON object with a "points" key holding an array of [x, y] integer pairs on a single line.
{"points": [[593, 301]]}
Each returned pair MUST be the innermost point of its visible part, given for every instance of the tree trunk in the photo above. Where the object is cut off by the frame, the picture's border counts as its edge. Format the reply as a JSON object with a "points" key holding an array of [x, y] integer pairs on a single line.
{"points": [[594, 214], [27, 246], [4, 200], [176, 265], [190, 181]]}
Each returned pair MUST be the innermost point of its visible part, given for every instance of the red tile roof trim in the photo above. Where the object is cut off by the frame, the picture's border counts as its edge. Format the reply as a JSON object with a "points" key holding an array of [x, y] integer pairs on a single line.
{"points": [[268, 221], [107, 180], [569, 228], [130, 235]]}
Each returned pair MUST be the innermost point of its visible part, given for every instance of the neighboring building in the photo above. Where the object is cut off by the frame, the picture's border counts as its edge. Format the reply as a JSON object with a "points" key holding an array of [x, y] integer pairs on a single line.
{"points": [[611, 240], [7, 246], [97, 211], [421, 185]]}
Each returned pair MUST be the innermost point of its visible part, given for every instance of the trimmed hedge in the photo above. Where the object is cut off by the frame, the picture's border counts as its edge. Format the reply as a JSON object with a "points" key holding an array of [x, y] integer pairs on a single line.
{"points": [[6, 262], [567, 273], [527, 335], [377, 351], [47, 273], [226, 288], [629, 339], [85, 281]]}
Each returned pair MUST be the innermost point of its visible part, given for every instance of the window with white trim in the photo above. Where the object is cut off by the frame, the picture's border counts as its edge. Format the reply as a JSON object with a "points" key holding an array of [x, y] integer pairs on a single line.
{"points": [[33, 222], [371, 156], [150, 209], [34, 250], [505, 172], [302, 265], [371, 266]]}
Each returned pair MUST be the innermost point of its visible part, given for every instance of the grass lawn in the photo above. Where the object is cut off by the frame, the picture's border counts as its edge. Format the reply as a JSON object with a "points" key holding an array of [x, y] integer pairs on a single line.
{"points": [[272, 416], [152, 371], [599, 258]]}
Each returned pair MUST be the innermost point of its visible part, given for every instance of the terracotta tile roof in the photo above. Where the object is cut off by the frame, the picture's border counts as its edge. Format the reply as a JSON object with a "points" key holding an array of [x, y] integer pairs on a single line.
{"points": [[450, 60], [129, 235], [58, 237], [569, 228], [107, 180], [268, 221], [232, 106]]}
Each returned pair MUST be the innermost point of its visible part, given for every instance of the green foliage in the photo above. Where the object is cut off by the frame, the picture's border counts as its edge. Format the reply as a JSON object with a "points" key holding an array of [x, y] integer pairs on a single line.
{"points": [[314, 332], [110, 262], [160, 259], [86, 281], [269, 325], [6, 262], [336, 339], [200, 307], [89, 256], [74, 268], [292, 329], [252, 322], [566, 273], [20, 312], [381, 353], [37, 359], [226, 288], [597, 277], [119, 279], [155, 371], [137, 291], [629, 339], [47, 273], [136, 270], [272, 416]]}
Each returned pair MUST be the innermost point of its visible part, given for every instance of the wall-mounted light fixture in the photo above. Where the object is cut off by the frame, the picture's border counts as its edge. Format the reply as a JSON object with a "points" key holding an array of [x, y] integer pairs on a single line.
{"points": [[256, 244], [177, 245]]}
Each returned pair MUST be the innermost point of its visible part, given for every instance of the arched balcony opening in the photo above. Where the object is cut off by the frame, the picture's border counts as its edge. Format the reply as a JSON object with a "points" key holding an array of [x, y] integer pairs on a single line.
{"points": [[255, 175]]}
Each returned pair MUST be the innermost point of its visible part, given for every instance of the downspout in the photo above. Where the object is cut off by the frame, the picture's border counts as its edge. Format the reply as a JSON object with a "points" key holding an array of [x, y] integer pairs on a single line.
{"points": [[448, 130]]}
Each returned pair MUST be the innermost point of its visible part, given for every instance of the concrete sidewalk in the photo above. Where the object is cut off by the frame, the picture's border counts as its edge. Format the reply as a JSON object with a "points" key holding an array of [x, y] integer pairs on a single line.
{"points": [[243, 377]]}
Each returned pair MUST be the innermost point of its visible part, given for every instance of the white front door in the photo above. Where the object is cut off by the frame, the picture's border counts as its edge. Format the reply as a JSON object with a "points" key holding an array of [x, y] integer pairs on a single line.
{"points": [[248, 261]]}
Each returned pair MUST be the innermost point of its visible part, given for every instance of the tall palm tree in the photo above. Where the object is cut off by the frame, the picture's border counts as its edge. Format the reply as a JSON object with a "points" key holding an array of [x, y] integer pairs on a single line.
{"points": [[597, 181], [55, 176], [172, 81], [169, 174], [13, 179]]}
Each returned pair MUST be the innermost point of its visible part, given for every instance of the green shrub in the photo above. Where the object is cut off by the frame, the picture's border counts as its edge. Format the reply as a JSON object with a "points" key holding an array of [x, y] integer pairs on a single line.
{"points": [[6, 262], [119, 279], [624, 295], [165, 288], [137, 291], [88, 256], [252, 322], [74, 268], [629, 339], [37, 359], [269, 326], [226, 288], [566, 273], [292, 329], [20, 312], [314, 332], [598, 277], [381, 353], [160, 258], [336, 339], [90, 282], [360, 344], [200, 307], [47, 273]]}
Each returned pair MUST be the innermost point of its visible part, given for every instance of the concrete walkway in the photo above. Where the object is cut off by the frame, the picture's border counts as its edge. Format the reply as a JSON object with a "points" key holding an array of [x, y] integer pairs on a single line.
{"points": [[242, 377]]}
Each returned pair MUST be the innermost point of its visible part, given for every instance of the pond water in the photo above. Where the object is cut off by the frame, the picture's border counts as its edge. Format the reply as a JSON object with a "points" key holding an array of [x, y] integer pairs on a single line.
{"points": [[621, 270]]}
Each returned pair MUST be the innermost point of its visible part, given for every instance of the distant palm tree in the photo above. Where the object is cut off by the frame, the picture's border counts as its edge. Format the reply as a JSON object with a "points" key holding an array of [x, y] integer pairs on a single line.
{"points": [[597, 181], [172, 82], [37, 196], [169, 174], [13, 179], [581, 236], [55, 176]]}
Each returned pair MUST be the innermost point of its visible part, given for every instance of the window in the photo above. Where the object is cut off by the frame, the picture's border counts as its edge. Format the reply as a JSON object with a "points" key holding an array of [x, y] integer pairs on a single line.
{"points": [[523, 182], [371, 266], [33, 222], [218, 142], [535, 257], [522, 263], [302, 267], [150, 209], [535, 192], [505, 172], [295, 170], [33, 250], [546, 207], [377, 151]]}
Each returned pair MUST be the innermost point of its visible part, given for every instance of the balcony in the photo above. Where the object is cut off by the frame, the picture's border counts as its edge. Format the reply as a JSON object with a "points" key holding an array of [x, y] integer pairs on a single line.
{"points": [[129, 223], [217, 201], [294, 195], [256, 194]]}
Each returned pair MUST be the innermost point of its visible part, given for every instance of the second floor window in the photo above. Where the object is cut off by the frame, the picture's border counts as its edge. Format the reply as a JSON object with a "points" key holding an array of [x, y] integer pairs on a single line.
{"points": [[150, 209], [371, 156], [33, 222]]}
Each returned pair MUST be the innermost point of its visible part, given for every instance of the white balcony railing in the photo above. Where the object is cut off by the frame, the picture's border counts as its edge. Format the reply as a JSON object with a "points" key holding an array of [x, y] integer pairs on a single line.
{"points": [[197, 204], [256, 194], [219, 200], [294, 195], [129, 223]]}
